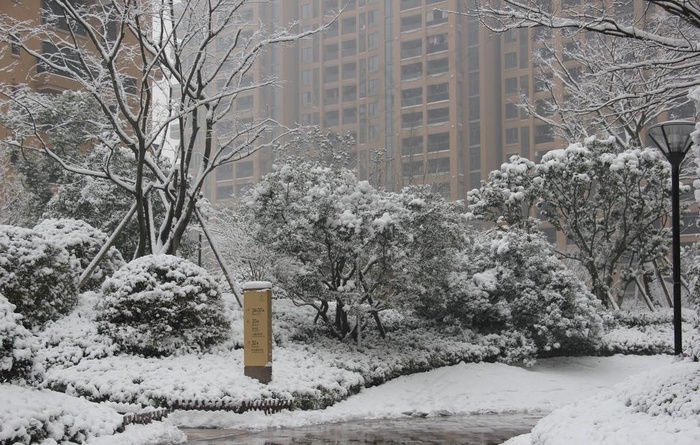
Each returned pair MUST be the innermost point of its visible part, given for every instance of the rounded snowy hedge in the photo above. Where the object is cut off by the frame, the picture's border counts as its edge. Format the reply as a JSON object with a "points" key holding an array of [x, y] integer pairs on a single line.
{"points": [[83, 242], [36, 275], [160, 305], [18, 347]]}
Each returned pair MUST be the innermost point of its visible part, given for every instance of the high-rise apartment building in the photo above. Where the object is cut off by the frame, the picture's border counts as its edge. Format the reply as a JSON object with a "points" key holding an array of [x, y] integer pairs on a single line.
{"points": [[434, 92]]}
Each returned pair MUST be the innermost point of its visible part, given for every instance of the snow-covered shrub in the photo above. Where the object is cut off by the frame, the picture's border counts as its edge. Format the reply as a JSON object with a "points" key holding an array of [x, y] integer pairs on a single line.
{"points": [[17, 347], [511, 283], [83, 242], [36, 275], [47, 417], [73, 338], [159, 305]]}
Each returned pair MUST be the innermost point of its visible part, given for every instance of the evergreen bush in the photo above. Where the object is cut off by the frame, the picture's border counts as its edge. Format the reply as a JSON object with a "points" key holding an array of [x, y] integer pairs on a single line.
{"points": [[36, 275], [83, 242], [18, 347], [160, 305]]}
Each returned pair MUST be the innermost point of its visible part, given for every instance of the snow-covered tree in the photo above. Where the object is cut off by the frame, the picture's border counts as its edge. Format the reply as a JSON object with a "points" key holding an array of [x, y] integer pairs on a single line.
{"points": [[611, 204], [669, 29], [161, 305], [353, 249], [340, 233], [249, 260], [201, 51], [67, 121], [510, 282], [595, 86]]}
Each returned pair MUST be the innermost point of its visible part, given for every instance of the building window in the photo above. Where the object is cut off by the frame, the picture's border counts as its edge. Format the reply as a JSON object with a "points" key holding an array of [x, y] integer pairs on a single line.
{"points": [[438, 92], [54, 13], [330, 52], [409, 4], [412, 145], [411, 48], [473, 86], [438, 166], [411, 97], [437, 66], [511, 86], [372, 64], [412, 120], [350, 115], [511, 60], [350, 25], [349, 47], [306, 98], [511, 111], [543, 134], [373, 132], [224, 172], [511, 136], [372, 41], [435, 16], [244, 169], [372, 17], [306, 77], [373, 87], [411, 23], [412, 71], [306, 11], [330, 74], [474, 134], [438, 142], [349, 93], [438, 116], [330, 119], [330, 96], [474, 109], [412, 168], [436, 43], [306, 55], [349, 70]]}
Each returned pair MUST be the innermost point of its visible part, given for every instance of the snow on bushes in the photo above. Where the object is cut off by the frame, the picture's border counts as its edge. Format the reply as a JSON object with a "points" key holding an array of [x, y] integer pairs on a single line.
{"points": [[48, 417], [36, 275], [160, 305], [72, 338], [17, 347], [511, 284], [650, 408], [83, 242]]}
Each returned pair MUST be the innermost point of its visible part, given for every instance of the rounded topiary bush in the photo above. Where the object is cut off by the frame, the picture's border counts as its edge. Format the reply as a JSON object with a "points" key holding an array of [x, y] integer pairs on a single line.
{"points": [[161, 305], [36, 275], [18, 347], [83, 242]]}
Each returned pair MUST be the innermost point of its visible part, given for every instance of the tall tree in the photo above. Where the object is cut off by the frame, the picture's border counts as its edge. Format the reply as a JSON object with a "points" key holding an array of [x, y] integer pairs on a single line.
{"points": [[595, 86], [201, 53], [610, 203]]}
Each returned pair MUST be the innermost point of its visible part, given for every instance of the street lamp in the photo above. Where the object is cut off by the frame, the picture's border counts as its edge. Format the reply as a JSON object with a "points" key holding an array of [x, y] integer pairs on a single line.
{"points": [[673, 139]]}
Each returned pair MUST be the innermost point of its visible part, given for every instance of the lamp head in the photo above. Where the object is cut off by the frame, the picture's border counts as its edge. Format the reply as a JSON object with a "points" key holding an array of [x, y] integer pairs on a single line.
{"points": [[672, 137]]}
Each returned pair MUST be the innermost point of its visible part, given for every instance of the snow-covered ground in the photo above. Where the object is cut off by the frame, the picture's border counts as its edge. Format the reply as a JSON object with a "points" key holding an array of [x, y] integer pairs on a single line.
{"points": [[79, 363], [659, 404]]}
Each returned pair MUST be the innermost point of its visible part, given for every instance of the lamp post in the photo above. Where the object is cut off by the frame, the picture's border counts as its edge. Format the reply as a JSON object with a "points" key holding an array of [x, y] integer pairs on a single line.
{"points": [[673, 139]]}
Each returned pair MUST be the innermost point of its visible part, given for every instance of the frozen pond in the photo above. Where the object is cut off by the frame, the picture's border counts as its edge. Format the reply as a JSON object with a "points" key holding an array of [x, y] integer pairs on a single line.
{"points": [[464, 430]]}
